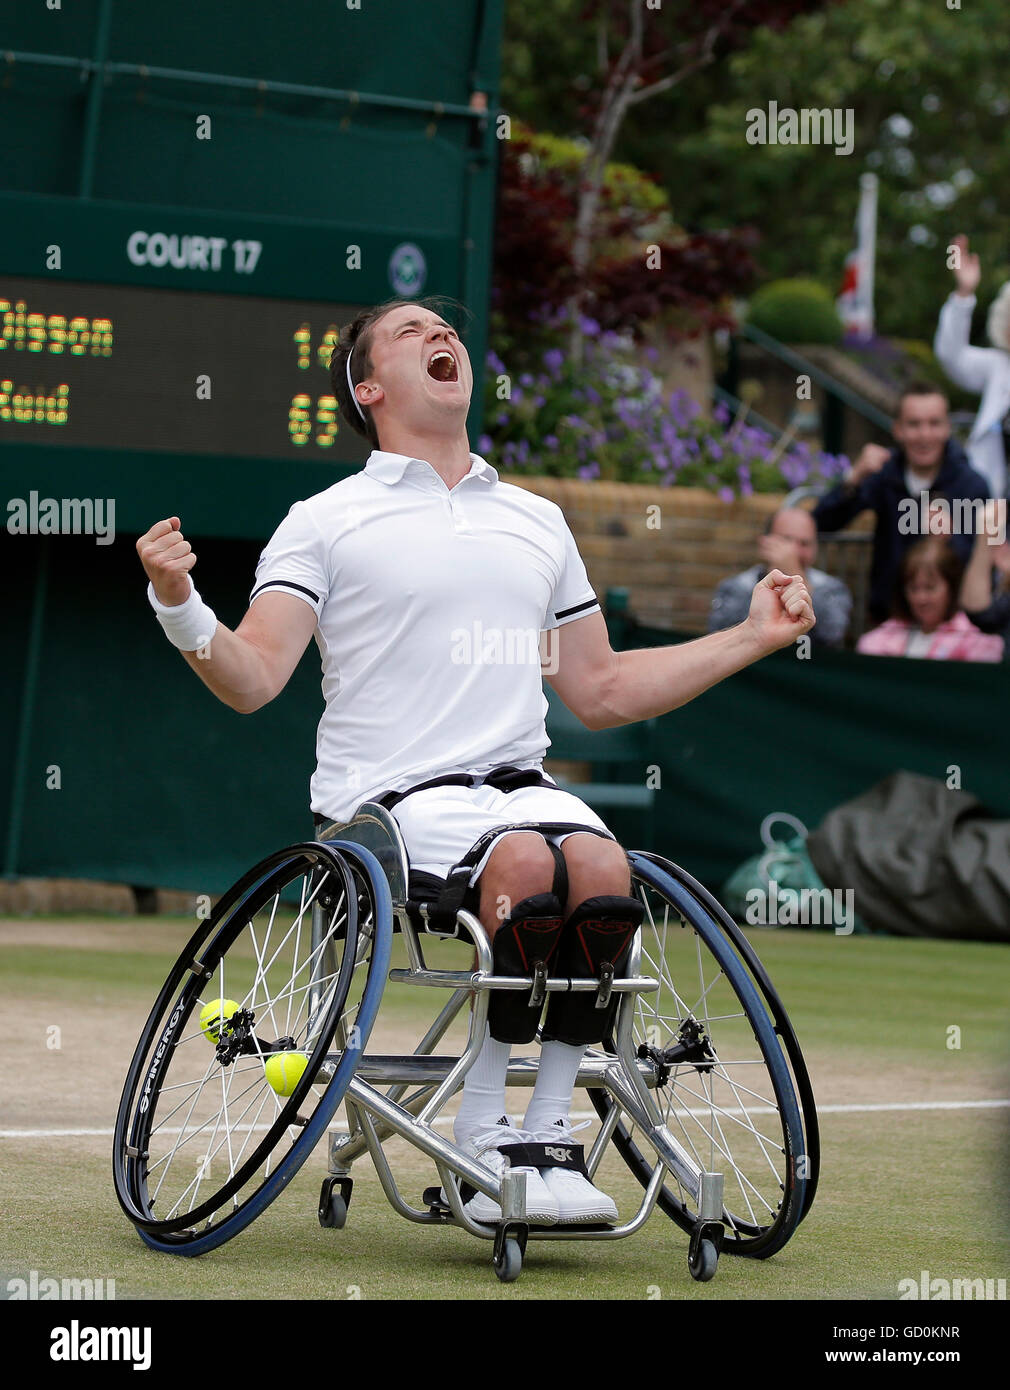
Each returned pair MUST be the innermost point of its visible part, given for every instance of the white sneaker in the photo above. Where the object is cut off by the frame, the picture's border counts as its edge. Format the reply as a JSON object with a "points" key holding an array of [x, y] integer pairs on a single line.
{"points": [[485, 1146], [578, 1200]]}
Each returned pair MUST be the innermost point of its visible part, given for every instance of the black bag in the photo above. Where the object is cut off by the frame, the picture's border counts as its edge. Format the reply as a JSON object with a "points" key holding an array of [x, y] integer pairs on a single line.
{"points": [[922, 859]]}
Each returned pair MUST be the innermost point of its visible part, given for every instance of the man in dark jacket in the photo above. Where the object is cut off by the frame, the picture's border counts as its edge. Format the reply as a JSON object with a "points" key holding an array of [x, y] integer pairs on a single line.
{"points": [[923, 486]]}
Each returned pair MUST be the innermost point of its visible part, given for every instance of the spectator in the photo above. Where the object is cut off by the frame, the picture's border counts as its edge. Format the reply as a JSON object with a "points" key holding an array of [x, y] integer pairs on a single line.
{"points": [[985, 370], [985, 592], [789, 543], [894, 483], [928, 622]]}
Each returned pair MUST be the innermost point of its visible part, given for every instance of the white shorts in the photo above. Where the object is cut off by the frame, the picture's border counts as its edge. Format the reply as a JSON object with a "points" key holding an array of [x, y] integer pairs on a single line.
{"points": [[439, 825]]}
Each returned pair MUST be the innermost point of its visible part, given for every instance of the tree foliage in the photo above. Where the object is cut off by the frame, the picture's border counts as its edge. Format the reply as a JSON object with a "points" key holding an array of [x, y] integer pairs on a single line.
{"points": [[644, 269], [929, 88]]}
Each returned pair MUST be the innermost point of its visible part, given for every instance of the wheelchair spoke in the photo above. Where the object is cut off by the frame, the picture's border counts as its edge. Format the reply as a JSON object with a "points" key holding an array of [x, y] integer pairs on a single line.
{"points": [[715, 1088]]}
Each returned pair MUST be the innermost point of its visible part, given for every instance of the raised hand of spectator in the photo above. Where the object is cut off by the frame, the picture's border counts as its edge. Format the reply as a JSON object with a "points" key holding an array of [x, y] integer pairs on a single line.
{"points": [[871, 459], [969, 272], [780, 553]]}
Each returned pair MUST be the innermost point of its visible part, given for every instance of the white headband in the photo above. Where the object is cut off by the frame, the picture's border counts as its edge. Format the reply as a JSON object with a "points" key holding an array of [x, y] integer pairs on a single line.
{"points": [[350, 386]]}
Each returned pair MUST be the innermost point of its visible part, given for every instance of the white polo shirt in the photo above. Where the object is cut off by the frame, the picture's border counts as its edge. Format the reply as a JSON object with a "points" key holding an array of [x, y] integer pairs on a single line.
{"points": [[429, 606]]}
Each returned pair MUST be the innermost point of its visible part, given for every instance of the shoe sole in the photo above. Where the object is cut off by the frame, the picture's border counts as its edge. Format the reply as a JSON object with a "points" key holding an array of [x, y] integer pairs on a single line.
{"points": [[535, 1218], [592, 1218]]}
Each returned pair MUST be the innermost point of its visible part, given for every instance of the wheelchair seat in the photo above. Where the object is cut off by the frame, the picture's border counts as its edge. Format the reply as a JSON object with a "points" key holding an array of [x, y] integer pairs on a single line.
{"points": [[374, 827]]}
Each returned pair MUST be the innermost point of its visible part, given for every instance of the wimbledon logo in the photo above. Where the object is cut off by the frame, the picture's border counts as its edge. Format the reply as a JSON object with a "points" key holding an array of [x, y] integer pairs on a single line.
{"points": [[408, 269]]}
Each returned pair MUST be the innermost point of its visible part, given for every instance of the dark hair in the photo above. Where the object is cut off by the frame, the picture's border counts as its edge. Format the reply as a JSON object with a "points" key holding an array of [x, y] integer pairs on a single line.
{"points": [[940, 554], [922, 387], [356, 338]]}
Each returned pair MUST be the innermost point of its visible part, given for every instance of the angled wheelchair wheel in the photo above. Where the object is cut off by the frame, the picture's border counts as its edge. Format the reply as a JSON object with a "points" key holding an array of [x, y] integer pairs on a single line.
{"points": [[730, 1083], [251, 1045]]}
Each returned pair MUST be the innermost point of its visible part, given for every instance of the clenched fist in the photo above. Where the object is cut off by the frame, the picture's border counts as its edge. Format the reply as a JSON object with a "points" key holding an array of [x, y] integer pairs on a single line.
{"points": [[167, 557], [780, 609], [871, 460]]}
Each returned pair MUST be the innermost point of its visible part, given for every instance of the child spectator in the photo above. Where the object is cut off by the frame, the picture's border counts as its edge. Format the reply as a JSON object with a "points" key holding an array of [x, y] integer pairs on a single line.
{"points": [[927, 620]]}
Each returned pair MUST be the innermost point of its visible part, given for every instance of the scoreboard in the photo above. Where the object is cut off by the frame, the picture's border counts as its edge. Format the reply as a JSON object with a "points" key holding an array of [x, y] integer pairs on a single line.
{"points": [[129, 367], [171, 358]]}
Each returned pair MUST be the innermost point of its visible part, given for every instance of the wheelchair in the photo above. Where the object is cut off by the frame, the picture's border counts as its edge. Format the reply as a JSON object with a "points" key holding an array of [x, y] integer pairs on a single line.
{"points": [[261, 1031]]}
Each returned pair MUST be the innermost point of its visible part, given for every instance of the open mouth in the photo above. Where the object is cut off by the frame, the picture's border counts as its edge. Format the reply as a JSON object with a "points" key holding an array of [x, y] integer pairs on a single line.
{"points": [[442, 367]]}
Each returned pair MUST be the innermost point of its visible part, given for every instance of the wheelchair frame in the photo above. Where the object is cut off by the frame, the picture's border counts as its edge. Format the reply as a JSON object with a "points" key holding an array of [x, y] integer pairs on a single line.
{"points": [[623, 1078]]}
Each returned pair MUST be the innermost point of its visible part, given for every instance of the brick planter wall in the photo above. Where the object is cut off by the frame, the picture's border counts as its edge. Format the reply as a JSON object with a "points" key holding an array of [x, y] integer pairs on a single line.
{"points": [[671, 572]]}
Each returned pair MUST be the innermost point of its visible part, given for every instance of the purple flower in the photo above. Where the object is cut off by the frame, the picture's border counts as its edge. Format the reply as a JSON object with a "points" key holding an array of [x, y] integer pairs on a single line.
{"points": [[502, 417], [589, 470], [496, 364], [721, 413], [484, 444], [552, 442], [538, 401], [554, 360], [592, 396], [726, 494], [589, 327]]}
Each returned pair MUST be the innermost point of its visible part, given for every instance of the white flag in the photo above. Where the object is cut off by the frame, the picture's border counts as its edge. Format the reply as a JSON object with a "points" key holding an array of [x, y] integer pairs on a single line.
{"points": [[855, 301]]}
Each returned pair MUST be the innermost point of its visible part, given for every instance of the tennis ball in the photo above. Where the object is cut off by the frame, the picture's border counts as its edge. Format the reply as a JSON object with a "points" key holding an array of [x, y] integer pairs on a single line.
{"points": [[214, 1014], [284, 1071]]}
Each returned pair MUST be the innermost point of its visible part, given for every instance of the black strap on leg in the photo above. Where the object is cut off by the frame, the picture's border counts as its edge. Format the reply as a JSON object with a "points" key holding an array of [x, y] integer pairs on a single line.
{"points": [[560, 885], [595, 942], [442, 917]]}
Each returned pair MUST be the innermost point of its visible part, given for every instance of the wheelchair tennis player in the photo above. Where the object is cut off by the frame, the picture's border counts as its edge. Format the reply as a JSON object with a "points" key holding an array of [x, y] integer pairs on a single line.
{"points": [[440, 597]]}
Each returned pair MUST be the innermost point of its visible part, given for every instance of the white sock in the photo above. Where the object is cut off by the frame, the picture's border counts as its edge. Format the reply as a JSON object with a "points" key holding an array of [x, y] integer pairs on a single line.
{"points": [[483, 1101], [552, 1095]]}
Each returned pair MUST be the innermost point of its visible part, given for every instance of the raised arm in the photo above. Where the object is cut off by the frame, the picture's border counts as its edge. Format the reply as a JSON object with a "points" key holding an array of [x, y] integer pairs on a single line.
{"points": [[967, 366], [246, 668], [605, 688], [857, 492]]}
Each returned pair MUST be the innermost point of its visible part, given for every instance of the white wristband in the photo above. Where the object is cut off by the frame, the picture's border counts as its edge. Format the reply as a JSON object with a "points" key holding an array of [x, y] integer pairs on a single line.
{"points": [[188, 625]]}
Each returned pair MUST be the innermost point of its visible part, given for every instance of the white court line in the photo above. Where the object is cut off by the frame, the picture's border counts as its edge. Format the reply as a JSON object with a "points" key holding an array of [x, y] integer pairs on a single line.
{"points": [[578, 1115]]}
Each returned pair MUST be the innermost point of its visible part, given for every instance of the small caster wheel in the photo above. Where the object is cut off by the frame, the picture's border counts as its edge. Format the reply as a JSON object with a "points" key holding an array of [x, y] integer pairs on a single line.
{"points": [[334, 1199], [703, 1265], [508, 1264], [336, 1214]]}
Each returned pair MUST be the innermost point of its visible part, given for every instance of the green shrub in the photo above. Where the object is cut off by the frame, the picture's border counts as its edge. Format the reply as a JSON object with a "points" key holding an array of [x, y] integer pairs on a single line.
{"points": [[796, 311]]}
